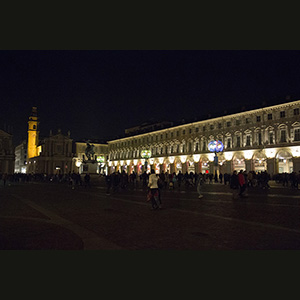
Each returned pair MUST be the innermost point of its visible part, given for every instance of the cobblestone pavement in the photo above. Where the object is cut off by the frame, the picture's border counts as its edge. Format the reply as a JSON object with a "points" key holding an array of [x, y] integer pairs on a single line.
{"points": [[52, 216]]}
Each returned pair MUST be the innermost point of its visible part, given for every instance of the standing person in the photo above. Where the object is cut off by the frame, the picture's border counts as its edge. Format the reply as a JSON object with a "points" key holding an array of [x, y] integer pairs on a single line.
{"points": [[4, 178], [108, 183], [234, 184], [87, 178], [152, 184], [221, 177], [216, 177], [199, 184], [179, 179], [242, 183], [73, 180]]}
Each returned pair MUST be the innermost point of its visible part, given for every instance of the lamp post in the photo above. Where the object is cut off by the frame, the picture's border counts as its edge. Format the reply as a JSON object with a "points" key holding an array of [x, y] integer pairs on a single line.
{"points": [[146, 154], [216, 147]]}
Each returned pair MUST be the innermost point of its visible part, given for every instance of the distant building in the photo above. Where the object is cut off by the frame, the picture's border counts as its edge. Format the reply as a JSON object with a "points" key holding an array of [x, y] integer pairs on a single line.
{"points": [[54, 155], [21, 157], [7, 156], [99, 157], [58, 153], [147, 127]]}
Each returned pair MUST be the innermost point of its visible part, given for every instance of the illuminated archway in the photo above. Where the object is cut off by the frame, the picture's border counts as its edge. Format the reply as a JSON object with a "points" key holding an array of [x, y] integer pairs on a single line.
{"points": [[285, 162], [238, 162]]}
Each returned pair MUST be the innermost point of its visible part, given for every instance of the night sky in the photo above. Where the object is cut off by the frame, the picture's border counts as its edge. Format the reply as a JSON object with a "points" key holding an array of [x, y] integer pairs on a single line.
{"points": [[97, 94]]}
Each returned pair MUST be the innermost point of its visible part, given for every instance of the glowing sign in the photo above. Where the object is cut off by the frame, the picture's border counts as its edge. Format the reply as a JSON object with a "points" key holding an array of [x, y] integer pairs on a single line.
{"points": [[100, 159], [215, 146], [146, 153]]}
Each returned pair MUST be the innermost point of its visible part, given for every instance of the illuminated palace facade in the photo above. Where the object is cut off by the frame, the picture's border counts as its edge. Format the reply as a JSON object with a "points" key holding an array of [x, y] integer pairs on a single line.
{"points": [[256, 140]]}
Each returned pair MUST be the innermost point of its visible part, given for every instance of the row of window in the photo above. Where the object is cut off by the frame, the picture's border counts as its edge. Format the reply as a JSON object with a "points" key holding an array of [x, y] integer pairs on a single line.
{"points": [[173, 134], [182, 148]]}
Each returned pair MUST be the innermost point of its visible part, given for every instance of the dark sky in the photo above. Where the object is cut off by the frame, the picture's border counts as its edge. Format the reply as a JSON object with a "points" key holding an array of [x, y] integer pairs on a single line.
{"points": [[99, 93]]}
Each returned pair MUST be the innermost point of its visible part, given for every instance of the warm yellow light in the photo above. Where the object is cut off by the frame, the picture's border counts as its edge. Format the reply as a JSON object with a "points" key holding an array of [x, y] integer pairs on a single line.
{"points": [[115, 162], [196, 157], [128, 161], [295, 151], [122, 162], [211, 156], [151, 161], [248, 154], [228, 155], [171, 159], [270, 153], [143, 161], [135, 161], [109, 163], [39, 150], [161, 160], [183, 158], [78, 163]]}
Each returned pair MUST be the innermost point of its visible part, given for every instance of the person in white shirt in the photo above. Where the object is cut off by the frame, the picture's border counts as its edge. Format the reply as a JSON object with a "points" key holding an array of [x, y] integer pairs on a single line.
{"points": [[152, 184]]}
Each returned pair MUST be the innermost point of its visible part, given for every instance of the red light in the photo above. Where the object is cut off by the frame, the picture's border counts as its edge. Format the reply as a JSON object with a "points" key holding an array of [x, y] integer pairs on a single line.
{"points": [[206, 171]]}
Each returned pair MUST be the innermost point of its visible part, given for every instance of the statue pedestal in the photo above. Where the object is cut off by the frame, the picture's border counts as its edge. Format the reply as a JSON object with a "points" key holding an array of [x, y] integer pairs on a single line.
{"points": [[89, 166]]}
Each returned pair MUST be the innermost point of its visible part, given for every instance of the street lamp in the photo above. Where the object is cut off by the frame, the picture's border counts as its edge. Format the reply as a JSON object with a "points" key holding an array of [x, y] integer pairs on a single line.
{"points": [[216, 147], [146, 154]]}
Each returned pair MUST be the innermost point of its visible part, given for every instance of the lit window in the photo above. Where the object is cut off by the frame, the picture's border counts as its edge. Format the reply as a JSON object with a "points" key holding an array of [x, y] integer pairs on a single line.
{"points": [[271, 137], [259, 138], [238, 141], [297, 134], [248, 140], [228, 143], [282, 136]]}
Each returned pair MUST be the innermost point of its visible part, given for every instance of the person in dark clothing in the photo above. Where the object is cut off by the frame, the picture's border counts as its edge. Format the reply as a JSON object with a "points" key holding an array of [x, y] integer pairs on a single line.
{"points": [[87, 178], [242, 182], [108, 183], [234, 184], [221, 177]]}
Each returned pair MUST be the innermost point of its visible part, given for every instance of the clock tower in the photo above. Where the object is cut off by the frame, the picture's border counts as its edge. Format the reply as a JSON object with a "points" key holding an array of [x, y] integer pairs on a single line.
{"points": [[33, 134]]}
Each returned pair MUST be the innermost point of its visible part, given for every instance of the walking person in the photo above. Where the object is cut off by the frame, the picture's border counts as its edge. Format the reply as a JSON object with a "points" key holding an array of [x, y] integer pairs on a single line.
{"points": [[199, 184], [152, 184]]}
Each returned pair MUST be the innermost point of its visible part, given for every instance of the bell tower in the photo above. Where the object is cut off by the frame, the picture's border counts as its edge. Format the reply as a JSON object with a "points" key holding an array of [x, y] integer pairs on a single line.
{"points": [[33, 134]]}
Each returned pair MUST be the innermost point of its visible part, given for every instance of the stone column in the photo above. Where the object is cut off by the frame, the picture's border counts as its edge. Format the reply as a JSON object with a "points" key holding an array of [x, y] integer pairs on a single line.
{"points": [[296, 164], [249, 165], [271, 166], [172, 168]]}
